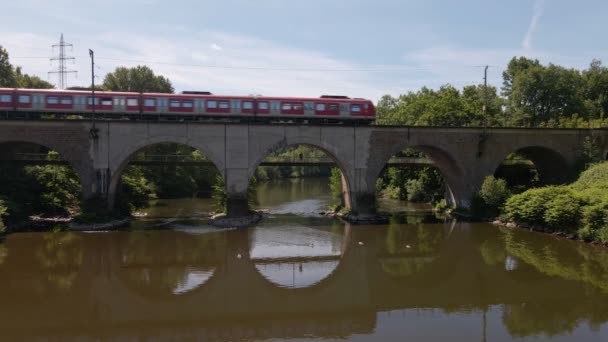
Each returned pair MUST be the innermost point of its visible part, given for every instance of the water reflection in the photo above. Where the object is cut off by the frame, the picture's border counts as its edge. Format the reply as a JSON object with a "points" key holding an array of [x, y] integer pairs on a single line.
{"points": [[421, 278], [295, 256], [302, 196], [162, 263]]}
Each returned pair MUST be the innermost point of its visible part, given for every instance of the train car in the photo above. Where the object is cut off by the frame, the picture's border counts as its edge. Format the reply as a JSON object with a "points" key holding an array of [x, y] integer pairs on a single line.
{"points": [[186, 106]]}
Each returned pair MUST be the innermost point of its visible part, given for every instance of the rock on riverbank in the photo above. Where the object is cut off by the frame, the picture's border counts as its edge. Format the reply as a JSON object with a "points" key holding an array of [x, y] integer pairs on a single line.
{"points": [[222, 221]]}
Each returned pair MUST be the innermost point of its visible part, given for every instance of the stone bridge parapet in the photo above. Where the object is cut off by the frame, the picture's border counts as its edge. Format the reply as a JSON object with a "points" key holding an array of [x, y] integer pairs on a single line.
{"points": [[465, 156]]}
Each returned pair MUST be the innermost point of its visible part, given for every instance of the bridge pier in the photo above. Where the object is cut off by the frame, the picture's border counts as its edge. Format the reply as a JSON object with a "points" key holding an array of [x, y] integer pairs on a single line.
{"points": [[237, 183]]}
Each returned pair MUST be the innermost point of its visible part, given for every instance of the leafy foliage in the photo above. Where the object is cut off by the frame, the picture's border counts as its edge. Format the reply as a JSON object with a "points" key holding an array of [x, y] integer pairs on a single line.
{"points": [[3, 213], [138, 79], [581, 207], [12, 77]]}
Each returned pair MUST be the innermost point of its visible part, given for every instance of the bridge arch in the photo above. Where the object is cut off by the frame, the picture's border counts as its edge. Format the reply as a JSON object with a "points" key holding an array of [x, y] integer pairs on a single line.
{"points": [[79, 162], [551, 165], [331, 151], [451, 170], [126, 156]]}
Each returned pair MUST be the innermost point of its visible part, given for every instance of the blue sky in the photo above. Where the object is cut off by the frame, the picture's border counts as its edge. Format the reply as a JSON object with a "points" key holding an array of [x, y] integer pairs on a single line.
{"points": [[306, 48]]}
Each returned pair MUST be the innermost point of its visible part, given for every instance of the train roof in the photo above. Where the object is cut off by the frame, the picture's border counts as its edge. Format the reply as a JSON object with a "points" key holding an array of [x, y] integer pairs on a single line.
{"points": [[201, 96]]}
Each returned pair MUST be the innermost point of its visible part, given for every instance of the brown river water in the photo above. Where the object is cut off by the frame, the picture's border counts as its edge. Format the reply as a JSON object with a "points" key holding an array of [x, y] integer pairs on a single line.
{"points": [[299, 276]]}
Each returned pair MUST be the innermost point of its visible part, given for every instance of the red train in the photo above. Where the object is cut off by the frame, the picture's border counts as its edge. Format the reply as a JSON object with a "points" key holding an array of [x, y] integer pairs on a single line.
{"points": [[189, 105]]}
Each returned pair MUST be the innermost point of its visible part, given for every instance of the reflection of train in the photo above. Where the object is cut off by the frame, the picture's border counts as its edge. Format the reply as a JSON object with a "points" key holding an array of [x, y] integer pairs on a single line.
{"points": [[188, 105]]}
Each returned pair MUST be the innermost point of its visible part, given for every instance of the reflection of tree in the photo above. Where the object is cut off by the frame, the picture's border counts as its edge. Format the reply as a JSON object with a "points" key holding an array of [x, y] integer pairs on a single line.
{"points": [[572, 261], [551, 317], [582, 263], [3, 253], [160, 263], [60, 257], [410, 249], [493, 251]]}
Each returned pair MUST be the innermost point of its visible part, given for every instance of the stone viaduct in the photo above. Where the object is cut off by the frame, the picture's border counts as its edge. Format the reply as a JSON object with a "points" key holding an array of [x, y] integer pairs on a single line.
{"points": [[465, 156]]}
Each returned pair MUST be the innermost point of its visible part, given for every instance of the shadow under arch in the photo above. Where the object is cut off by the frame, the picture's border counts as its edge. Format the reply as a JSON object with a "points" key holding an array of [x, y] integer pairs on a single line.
{"points": [[449, 168], [325, 281], [127, 155], [83, 171], [330, 151], [551, 165]]}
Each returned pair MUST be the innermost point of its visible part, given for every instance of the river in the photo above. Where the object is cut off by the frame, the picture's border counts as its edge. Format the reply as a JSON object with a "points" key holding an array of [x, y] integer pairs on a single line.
{"points": [[300, 276]]}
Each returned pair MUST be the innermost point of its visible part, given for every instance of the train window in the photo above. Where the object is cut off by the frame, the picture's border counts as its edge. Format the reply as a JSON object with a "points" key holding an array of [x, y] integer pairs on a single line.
{"points": [[149, 102], [212, 104], [247, 105], [308, 106], [333, 107], [5, 98], [106, 101], [296, 106], [174, 103], [236, 104], [187, 104], [224, 105], [320, 107], [275, 105], [286, 106], [132, 102], [355, 108], [24, 99], [90, 102], [66, 100], [52, 100], [263, 105]]}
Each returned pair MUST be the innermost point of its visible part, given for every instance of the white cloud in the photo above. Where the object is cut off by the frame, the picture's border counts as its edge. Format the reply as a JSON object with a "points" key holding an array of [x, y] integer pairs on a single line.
{"points": [[246, 65], [538, 12]]}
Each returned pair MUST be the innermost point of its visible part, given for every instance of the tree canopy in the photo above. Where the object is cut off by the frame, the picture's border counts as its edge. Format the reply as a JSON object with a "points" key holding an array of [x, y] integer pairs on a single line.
{"points": [[12, 77], [532, 95], [138, 79]]}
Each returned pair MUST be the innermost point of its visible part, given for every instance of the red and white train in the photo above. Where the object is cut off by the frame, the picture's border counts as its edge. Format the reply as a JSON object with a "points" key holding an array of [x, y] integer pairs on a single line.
{"points": [[188, 106]]}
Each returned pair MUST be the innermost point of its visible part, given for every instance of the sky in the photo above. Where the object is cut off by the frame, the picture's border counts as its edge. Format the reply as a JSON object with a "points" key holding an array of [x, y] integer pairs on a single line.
{"points": [[358, 48]]}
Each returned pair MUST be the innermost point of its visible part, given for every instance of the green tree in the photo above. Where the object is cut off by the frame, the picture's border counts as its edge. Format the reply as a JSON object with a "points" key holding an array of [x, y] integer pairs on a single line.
{"points": [[596, 90], [12, 77], [541, 95], [7, 72], [137, 79], [30, 82]]}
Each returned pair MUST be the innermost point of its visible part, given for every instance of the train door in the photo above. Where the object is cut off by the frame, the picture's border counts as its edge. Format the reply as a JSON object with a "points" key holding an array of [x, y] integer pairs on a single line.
{"points": [[120, 104]]}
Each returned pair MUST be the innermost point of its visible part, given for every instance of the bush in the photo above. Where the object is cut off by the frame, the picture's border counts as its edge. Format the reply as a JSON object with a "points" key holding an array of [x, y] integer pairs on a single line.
{"points": [[494, 192], [3, 213], [335, 183], [415, 190], [529, 207], [602, 235], [563, 213], [135, 191], [594, 177]]}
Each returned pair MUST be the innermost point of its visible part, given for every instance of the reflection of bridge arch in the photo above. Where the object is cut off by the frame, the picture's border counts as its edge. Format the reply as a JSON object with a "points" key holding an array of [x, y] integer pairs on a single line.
{"points": [[174, 263], [328, 262]]}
